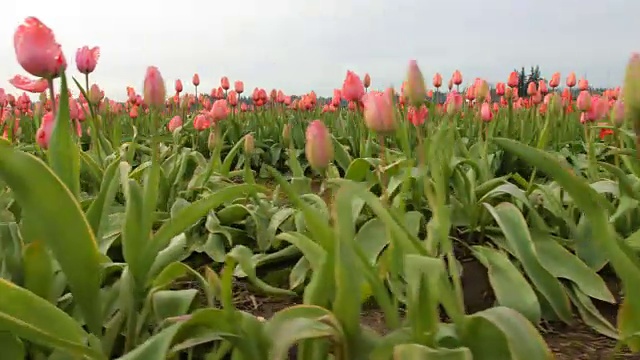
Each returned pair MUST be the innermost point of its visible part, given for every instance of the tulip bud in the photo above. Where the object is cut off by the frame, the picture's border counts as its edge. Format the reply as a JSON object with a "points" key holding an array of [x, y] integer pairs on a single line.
{"points": [[286, 134], [416, 90], [379, 113], [631, 92], [485, 112], [617, 113], [482, 89], [319, 146], [212, 141], [367, 81], [249, 144], [584, 101], [154, 88]]}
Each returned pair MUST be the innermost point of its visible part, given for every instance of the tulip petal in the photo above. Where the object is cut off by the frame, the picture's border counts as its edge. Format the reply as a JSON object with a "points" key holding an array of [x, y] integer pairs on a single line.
{"points": [[26, 84]]}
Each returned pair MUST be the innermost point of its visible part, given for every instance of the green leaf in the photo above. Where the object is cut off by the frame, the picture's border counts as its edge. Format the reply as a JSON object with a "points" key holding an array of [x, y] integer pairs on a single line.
{"points": [[28, 316], [293, 324], [502, 333], [156, 347], [517, 235], [242, 255], [134, 239], [372, 239], [563, 264], [64, 154], [38, 270], [12, 347], [61, 225], [624, 261], [99, 209], [421, 352], [510, 287], [348, 280], [172, 303], [590, 314], [194, 212]]}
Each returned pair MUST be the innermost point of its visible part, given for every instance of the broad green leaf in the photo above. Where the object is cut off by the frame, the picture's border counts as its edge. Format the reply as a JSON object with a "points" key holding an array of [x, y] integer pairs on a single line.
{"points": [[12, 347], [134, 239], [156, 347], [60, 224], [510, 287], [590, 314], [30, 317], [348, 280], [194, 212], [38, 270], [517, 235], [372, 239], [502, 333], [563, 264], [64, 154], [624, 261], [98, 212], [172, 303], [421, 352], [293, 324], [424, 278]]}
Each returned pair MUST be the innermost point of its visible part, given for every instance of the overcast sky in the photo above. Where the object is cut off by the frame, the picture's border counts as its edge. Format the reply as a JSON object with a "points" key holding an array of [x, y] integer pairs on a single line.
{"points": [[304, 45]]}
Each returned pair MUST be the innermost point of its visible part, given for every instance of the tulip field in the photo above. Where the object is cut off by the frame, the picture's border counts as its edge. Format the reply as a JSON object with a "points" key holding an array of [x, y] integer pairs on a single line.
{"points": [[460, 220]]}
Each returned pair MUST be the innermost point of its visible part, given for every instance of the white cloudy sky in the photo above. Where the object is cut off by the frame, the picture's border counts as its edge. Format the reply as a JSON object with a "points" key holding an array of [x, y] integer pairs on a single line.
{"points": [[304, 45]]}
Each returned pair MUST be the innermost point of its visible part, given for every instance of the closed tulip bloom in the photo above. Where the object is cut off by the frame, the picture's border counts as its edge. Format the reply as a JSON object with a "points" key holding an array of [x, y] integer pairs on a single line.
{"points": [[37, 50], [555, 80], [571, 80], [417, 116], [513, 79], [232, 98], [367, 81], [500, 89], [584, 101], [617, 113], [319, 146], [219, 111], [531, 89], [379, 112], [238, 86], [201, 122], [95, 94], [154, 88], [352, 87], [450, 84], [224, 83], [457, 77], [87, 59], [195, 80], [178, 86], [174, 123], [583, 84], [485, 112], [437, 80], [542, 87], [43, 135]]}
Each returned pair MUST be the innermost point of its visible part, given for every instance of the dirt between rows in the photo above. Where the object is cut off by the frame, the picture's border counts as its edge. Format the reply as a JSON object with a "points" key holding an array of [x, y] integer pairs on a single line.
{"points": [[567, 342]]}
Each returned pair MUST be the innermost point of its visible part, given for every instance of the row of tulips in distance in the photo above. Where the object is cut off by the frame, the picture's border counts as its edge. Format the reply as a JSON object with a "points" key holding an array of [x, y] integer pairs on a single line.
{"points": [[40, 55]]}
